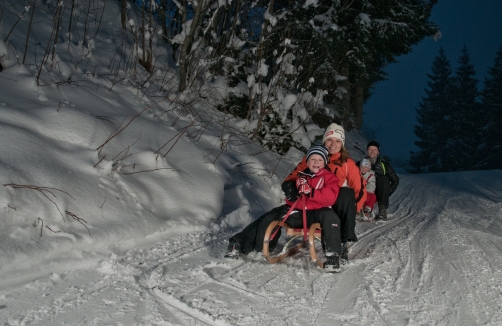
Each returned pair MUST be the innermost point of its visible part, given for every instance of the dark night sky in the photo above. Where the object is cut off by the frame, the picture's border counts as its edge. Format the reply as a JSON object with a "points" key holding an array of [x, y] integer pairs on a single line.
{"points": [[390, 112]]}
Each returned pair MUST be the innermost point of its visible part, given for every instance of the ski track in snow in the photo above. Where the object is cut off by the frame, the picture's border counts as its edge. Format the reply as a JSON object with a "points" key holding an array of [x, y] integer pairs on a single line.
{"points": [[437, 261]]}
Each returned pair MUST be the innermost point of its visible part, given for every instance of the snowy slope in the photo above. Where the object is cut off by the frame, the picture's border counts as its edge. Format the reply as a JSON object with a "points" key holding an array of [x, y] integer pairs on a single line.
{"points": [[435, 262]]}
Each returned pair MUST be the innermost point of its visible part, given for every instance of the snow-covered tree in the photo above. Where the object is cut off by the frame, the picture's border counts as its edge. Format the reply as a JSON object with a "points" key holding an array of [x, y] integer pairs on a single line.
{"points": [[342, 46], [326, 53], [434, 119]]}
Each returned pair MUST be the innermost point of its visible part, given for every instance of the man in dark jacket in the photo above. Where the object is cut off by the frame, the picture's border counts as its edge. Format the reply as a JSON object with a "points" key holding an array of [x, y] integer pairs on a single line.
{"points": [[386, 178]]}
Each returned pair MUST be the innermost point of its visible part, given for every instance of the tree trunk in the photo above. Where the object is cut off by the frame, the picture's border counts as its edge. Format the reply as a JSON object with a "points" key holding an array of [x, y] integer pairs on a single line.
{"points": [[143, 46], [150, 40], [345, 71], [57, 26], [346, 102], [178, 17], [69, 24], [123, 15], [358, 105], [263, 109], [29, 29], [163, 5], [184, 61]]}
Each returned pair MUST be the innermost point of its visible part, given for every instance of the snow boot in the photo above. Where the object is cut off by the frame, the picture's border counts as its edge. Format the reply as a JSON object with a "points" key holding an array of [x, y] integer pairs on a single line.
{"points": [[233, 249], [382, 213], [332, 264]]}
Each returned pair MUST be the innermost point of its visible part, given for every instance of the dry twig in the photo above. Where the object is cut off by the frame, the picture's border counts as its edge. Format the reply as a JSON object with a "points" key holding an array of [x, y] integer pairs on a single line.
{"points": [[80, 220], [179, 134], [47, 227], [44, 191], [119, 130]]}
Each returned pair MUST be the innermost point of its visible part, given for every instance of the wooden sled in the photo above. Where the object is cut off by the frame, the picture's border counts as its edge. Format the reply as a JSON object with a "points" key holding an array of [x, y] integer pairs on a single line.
{"points": [[293, 234], [289, 249]]}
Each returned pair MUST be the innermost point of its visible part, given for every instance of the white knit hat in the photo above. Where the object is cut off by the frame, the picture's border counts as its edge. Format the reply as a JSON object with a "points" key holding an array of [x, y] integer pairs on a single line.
{"points": [[334, 131], [365, 162]]}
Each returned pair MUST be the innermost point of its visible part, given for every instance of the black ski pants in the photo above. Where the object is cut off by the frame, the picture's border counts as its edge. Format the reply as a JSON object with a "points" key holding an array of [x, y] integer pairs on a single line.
{"points": [[382, 190], [247, 237], [345, 208]]}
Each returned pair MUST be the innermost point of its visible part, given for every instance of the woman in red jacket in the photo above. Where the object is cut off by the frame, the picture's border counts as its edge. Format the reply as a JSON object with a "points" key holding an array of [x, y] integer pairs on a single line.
{"points": [[352, 193], [320, 188]]}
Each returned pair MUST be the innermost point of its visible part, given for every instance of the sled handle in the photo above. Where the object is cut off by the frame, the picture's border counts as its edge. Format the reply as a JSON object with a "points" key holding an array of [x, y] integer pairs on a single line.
{"points": [[305, 234]]}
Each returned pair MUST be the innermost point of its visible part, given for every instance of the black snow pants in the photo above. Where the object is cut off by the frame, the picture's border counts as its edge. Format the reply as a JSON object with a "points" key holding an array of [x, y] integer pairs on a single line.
{"points": [[345, 208], [382, 190], [247, 237]]}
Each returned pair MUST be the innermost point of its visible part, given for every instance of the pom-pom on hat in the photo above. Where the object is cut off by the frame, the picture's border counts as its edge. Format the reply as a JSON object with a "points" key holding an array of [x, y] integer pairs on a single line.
{"points": [[365, 162], [319, 150], [334, 131], [373, 143]]}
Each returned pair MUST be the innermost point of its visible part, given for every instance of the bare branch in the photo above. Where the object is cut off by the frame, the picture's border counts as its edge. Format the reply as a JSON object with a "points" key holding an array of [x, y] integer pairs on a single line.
{"points": [[43, 191], [99, 161], [80, 220], [26, 8], [48, 227], [179, 134], [118, 131]]}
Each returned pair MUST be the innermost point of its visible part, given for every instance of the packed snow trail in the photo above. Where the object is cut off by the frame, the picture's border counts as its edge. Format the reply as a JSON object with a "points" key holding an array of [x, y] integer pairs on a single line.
{"points": [[437, 261]]}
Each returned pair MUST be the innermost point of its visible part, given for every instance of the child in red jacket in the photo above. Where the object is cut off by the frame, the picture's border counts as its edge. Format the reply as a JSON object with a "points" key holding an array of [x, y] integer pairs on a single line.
{"points": [[320, 188]]}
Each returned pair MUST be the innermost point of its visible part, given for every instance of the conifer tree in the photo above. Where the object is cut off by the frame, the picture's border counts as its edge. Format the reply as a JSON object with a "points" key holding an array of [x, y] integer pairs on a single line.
{"points": [[491, 98], [434, 119], [461, 149]]}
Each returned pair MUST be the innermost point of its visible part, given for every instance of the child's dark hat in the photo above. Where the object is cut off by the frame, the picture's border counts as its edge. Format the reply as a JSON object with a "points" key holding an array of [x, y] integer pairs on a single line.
{"points": [[319, 150]]}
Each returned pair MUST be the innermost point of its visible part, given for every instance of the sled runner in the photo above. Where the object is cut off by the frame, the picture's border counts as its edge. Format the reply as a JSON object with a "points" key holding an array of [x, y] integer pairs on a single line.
{"points": [[309, 237]]}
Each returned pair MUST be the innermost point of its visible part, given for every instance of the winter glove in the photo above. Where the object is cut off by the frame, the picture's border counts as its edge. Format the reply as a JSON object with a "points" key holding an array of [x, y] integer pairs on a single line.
{"points": [[290, 191], [302, 186]]}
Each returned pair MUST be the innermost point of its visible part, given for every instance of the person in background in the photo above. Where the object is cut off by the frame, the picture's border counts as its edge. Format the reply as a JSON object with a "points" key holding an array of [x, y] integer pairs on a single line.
{"points": [[368, 175], [386, 178], [320, 188], [352, 193]]}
